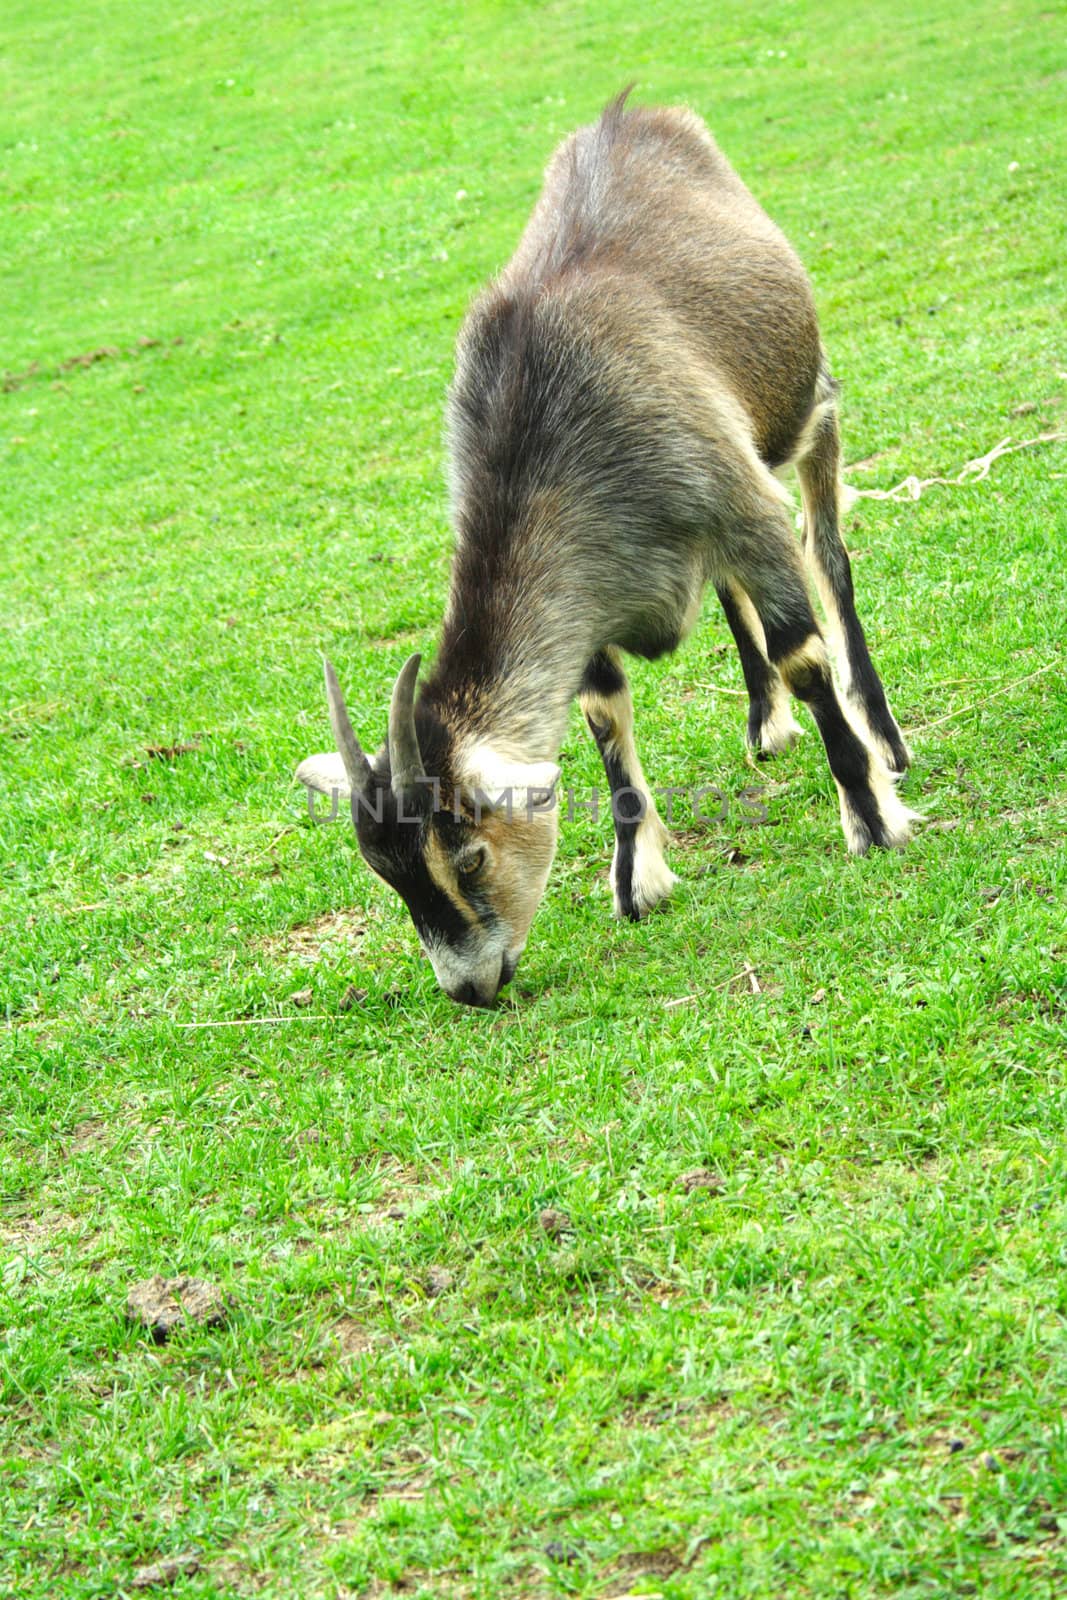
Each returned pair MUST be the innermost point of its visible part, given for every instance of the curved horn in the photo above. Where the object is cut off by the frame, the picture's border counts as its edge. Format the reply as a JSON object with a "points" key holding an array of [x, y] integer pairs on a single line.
{"points": [[405, 759], [356, 764]]}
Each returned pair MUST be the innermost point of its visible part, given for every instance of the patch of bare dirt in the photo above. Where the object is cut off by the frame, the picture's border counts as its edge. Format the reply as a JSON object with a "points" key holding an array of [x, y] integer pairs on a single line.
{"points": [[639, 1564], [350, 1337], [308, 942], [160, 752], [689, 1419], [37, 1233], [555, 1223], [448, 1584], [410, 1491], [438, 1281], [160, 1574], [701, 1178], [36, 372], [1027, 1001], [231, 1578], [163, 1304], [400, 1193], [399, 1185], [86, 1134], [169, 752]]}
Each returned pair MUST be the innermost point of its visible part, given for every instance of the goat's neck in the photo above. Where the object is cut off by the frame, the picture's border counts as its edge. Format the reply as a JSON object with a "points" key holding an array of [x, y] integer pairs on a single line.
{"points": [[508, 668]]}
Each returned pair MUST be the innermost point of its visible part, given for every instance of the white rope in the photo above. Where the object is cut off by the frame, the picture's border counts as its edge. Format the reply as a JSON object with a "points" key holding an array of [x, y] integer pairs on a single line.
{"points": [[911, 487]]}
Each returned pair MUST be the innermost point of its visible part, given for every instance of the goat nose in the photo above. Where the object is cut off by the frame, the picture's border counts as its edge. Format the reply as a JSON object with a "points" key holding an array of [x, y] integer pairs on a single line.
{"points": [[468, 994]]}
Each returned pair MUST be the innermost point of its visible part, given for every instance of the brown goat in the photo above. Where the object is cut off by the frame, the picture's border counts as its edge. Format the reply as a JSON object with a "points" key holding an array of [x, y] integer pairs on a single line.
{"points": [[624, 395]]}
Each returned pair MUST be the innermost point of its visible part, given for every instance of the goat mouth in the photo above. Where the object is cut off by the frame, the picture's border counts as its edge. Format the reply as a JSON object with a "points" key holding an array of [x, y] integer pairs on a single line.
{"points": [[468, 994]]}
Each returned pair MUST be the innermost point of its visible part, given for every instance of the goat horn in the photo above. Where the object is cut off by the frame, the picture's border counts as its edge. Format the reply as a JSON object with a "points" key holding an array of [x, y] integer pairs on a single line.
{"points": [[356, 764], [405, 759]]}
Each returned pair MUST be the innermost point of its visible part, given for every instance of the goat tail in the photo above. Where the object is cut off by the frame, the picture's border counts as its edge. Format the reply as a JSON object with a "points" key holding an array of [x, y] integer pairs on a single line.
{"points": [[615, 109]]}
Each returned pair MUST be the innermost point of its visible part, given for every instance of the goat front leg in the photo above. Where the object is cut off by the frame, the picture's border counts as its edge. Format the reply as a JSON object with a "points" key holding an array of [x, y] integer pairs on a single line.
{"points": [[771, 725], [640, 876]]}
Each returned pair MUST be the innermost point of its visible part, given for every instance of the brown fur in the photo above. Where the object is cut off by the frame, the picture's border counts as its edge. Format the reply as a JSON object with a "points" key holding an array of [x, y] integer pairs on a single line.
{"points": [[521, 855]]}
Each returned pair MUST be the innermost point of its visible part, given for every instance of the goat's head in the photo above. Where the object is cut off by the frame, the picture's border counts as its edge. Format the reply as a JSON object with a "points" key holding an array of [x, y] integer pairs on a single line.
{"points": [[467, 846]]}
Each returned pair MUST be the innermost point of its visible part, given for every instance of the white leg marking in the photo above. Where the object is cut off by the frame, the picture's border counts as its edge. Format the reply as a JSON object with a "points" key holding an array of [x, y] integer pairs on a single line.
{"points": [[653, 879], [857, 715], [780, 731], [897, 820]]}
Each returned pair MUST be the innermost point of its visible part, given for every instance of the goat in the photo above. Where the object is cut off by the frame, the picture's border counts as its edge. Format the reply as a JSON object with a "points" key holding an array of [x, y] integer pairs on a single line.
{"points": [[625, 393]]}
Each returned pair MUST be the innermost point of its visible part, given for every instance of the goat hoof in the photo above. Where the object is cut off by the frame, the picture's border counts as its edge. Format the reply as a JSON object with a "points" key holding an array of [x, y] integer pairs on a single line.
{"points": [[650, 884], [776, 733]]}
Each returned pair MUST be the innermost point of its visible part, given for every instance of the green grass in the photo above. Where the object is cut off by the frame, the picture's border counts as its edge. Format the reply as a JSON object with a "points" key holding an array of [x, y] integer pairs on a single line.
{"points": [[841, 1371]]}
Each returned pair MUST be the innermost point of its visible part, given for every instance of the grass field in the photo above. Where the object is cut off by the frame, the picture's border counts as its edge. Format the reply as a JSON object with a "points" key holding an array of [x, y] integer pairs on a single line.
{"points": [[237, 247]]}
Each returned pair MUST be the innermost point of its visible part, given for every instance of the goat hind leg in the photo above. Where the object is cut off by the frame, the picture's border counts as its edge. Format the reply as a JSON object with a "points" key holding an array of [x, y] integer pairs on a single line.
{"points": [[871, 810], [640, 876], [819, 473]]}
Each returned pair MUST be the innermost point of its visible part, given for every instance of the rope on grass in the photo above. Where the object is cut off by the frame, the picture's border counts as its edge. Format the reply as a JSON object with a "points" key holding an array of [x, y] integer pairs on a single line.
{"points": [[911, 487], [976, 705], [255, 1022]]}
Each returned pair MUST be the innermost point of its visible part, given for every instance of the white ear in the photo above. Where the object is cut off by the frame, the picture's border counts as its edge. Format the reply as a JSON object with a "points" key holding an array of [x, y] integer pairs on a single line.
{"points": [[325, 774], [494, 779]]}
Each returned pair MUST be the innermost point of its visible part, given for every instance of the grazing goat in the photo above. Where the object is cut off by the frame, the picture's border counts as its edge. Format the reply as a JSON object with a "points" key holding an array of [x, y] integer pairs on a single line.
{"points": [[624, 395]]}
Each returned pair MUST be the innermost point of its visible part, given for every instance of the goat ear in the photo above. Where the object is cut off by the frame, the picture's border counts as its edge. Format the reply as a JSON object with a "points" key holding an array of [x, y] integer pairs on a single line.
{"points": [[325, 774], [494, 778]]}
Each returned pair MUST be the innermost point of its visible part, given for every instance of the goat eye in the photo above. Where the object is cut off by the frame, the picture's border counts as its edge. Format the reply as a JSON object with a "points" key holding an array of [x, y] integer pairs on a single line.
{"points": [[472, 863]]}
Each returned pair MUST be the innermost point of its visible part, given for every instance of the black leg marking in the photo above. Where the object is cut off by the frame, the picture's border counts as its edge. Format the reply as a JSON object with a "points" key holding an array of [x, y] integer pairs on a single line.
{"points": [[754, 665], [626, 811], [603, 677], [849, 758]]}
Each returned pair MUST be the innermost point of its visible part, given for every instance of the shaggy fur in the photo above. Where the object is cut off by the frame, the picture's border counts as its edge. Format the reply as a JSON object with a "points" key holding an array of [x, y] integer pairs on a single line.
{"points": [[624, 394]]}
